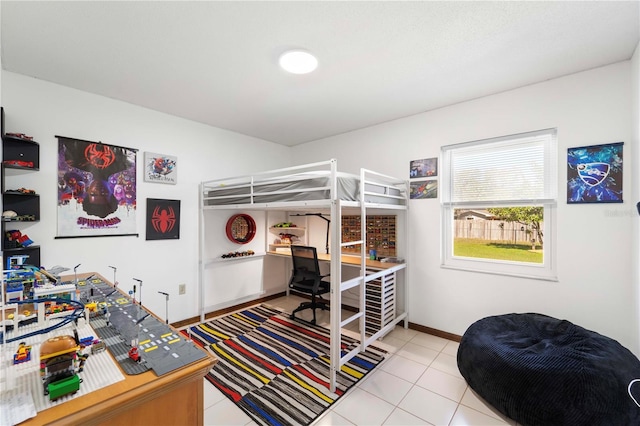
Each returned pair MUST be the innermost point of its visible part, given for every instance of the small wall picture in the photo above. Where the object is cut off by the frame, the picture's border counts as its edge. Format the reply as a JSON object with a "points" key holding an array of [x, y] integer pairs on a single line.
{"points": [[160, 168], [163, 219], [427, 167], [422, 189], [594, 174]]}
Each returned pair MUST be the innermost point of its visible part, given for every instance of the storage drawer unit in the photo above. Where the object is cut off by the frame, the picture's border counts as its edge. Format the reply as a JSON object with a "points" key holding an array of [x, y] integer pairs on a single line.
{"points": [[380, 300]]}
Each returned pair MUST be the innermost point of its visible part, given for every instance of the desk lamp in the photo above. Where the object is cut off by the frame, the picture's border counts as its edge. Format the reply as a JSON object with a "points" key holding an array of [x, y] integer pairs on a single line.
{"points": [[321, 216]]}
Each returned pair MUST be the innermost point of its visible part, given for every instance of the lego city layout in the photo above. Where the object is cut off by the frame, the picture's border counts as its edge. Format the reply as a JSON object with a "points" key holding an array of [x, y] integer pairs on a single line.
{"points": [[53, 336]]}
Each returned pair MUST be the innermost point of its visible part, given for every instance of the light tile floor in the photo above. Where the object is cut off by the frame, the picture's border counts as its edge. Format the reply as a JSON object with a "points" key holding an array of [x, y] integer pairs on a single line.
{"points": [[417, 384]]}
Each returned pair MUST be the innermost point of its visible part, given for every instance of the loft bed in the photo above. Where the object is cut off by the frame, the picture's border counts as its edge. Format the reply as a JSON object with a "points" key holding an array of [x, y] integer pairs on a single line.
{"points": [[320, 186], [302, 185]]}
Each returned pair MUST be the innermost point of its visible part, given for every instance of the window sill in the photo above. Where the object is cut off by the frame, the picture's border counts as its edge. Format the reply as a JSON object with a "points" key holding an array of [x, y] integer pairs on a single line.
{"points": [[552, 278]]}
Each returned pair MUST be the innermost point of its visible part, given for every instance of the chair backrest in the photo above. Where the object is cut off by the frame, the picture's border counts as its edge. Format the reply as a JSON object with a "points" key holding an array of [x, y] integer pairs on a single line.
{"points": [[305, 261]]}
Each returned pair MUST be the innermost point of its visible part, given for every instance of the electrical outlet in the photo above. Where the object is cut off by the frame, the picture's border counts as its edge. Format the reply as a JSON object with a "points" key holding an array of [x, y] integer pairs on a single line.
{"points": [[182, 289]]}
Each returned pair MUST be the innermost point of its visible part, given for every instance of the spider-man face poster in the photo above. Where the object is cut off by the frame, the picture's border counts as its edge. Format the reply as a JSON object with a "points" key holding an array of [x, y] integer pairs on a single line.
{"points": [[163, 219], [96, 189]]}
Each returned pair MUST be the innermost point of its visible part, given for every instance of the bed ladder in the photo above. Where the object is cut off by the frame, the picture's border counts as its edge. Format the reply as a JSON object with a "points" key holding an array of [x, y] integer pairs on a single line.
{"points": [[338, 359]]}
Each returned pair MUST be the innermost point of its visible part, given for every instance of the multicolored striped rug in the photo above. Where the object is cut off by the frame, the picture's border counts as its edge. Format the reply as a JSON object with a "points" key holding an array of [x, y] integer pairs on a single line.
{"points": [[276, 369]]}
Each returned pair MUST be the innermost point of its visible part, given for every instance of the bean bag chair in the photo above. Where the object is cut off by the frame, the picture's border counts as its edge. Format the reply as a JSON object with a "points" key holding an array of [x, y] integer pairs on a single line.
{"points": [[540, 370]]}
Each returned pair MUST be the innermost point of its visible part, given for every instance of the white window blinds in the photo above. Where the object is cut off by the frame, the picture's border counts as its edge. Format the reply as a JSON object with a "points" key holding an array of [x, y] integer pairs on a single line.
{"points": [[513, 169]]}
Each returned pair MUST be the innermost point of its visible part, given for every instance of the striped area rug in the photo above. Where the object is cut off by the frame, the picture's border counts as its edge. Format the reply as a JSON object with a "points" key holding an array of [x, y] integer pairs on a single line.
{"points": [[276, 369]]}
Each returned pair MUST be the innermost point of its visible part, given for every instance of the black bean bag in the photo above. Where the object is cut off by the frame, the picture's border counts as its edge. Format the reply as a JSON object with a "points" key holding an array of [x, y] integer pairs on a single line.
{"points": [[540, 370]]}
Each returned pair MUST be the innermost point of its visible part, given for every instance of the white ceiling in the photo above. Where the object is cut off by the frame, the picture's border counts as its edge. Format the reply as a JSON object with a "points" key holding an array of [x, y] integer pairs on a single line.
{"points": [[216, 62]]}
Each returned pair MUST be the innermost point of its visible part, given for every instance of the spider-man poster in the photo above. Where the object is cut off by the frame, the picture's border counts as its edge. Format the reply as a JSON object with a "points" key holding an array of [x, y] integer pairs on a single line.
{"points": [[160, 168], [594, 174], [96, 189], [163, 219]]}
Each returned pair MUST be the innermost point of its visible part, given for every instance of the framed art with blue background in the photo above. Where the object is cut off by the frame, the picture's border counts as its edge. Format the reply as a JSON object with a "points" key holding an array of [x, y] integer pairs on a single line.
{"points": [[163, 219], [594, 174]]}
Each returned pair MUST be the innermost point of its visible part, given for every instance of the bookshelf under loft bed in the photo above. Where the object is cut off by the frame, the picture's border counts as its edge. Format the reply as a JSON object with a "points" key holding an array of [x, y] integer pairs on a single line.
{"points": [[320, 187]]}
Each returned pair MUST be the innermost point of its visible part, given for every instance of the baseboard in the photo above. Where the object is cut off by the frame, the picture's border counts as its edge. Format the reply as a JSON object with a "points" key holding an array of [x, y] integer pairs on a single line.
{"points": [[417, 327], [435, 332], [413, 326], [195, 320]]}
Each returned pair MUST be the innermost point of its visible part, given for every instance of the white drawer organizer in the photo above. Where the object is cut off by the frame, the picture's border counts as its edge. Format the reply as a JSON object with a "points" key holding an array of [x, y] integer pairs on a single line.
{"points": [[380, 302]]}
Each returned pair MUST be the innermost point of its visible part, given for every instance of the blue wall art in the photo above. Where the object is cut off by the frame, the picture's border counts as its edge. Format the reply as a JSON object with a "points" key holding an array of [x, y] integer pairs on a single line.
{"points": [[594, 174]]}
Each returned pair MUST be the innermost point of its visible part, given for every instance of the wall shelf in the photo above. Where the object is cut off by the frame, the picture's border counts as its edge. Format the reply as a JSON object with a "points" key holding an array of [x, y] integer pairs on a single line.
{"points": [[294, 230], [297, 232], [18, 154], [235, 259]]}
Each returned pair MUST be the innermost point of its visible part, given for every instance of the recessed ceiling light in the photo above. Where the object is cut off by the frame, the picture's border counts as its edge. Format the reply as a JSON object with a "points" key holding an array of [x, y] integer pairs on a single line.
{"points": [[298, 62]]}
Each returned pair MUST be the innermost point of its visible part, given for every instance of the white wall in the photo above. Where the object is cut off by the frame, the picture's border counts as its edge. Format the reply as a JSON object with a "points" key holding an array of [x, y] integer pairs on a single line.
{"points": [[635, 176], [596, 266], [43, 110], [596, 286]]}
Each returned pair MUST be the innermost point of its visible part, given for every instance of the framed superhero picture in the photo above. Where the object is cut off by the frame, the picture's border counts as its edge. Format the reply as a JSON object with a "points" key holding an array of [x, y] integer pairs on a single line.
{"points": [[160, 168], [427, 167], [163, 219], [422, 189], [96, 189], [594, 174]]}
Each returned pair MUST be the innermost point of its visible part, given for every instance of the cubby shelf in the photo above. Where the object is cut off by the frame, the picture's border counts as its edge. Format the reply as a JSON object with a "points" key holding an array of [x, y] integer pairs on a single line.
{"points": [[18, 154], [381, 234], [294, 230], [297, 232]]}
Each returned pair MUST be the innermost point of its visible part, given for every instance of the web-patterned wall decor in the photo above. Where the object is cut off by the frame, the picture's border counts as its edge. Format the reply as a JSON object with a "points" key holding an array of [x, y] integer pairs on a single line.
{"points": [[163, 219]]}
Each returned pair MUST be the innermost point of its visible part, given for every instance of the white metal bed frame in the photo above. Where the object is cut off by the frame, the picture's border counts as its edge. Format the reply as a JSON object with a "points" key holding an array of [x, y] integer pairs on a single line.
{"points": [[388, 186]]}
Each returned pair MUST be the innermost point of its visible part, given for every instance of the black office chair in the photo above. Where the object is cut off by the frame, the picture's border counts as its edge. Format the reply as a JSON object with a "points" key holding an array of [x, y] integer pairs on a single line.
{"points": [[306, 278]]}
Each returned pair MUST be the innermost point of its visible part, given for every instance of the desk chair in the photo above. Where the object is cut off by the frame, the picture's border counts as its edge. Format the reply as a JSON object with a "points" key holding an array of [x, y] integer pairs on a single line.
{"points": [[306, 278]]}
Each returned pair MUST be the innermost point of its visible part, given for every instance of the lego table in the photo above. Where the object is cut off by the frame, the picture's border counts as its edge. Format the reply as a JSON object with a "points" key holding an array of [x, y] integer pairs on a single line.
{"points": [[174, 398]]}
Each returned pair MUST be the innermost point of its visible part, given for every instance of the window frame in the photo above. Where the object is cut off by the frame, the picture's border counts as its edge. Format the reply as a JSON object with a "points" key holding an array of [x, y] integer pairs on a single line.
{"points": [[544, 271]]}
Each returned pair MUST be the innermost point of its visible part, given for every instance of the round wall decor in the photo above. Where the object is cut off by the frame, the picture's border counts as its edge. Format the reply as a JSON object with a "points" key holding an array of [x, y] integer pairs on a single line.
{"points": [[241, 228]]}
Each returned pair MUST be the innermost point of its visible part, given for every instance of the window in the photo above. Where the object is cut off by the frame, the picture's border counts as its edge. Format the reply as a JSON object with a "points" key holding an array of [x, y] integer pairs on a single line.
{"points": [[499, 204]]}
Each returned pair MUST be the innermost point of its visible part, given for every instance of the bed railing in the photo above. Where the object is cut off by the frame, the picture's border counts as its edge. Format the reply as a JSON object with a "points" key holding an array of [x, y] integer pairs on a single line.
{"points": [[253, 190], [215, 192], [389, 187]]}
